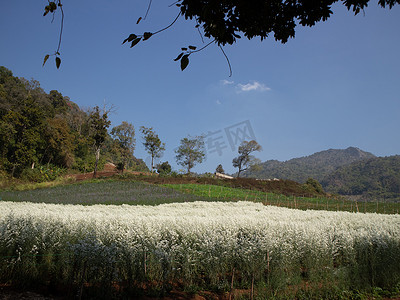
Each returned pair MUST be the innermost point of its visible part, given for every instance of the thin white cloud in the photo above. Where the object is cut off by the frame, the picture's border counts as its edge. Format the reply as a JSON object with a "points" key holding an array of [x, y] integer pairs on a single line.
{"points": [[254, 86], [226, 82]]}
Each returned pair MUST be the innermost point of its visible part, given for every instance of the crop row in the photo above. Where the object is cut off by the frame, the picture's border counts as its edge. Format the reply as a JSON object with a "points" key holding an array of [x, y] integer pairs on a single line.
{"points": [[198, 245], [222, 193]]}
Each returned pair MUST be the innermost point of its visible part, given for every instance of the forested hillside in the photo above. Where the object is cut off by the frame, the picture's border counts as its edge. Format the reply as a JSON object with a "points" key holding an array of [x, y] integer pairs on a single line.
{"points": [[317, 165], [372, 179], [42, 134]]}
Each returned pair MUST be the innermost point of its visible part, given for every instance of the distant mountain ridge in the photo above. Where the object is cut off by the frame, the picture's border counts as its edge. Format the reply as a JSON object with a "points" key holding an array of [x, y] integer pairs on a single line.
{"points": [[317, 165]]}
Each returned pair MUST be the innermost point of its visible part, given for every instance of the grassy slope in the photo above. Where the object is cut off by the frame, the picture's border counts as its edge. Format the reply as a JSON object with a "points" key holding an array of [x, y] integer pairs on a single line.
{"points": [[221, 193], [142, 193]]}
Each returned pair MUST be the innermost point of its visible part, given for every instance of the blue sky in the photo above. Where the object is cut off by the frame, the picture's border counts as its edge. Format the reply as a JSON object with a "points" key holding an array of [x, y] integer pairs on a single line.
{"points": [[335, 85]]}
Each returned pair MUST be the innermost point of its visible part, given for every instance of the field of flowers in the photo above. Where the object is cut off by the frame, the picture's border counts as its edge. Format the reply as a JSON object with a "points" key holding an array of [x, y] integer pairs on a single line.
{"points": [[219, 246]]}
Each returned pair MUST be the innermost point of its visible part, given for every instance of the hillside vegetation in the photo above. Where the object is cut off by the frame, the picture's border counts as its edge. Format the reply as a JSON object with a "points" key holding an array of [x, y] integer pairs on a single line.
{"points": [[317, 165], [350, 172], [43, 134], [376, 178]]}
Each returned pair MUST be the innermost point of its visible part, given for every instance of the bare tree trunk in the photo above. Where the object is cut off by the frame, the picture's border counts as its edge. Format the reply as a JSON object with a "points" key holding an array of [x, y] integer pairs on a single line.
{"points": [[252, 288], [152, 159], [231, 291], [13, 170], [124, 163], [97, 161]]}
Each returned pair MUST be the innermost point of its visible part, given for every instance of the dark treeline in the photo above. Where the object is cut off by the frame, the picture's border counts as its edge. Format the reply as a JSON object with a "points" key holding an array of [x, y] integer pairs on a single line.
{"points": [[42, 134]]}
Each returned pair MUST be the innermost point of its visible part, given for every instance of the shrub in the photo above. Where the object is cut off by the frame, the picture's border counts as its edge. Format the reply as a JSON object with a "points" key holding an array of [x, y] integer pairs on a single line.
{"points": [[164, 168], [41, 173]]}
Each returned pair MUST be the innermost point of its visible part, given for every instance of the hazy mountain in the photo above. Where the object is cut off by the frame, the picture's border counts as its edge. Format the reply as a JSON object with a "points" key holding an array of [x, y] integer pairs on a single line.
{"points": [[317, 165], [373, 179]]}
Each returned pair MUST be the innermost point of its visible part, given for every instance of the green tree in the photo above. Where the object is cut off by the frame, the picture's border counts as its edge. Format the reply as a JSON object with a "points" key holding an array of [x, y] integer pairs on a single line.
{"points": [[36, 127], [164, 168], [58, 102], [245, 160], [124, 137], [60, 143], [98, 132], [23, 136], [152, 144], [190, 152], [220, 169], [314, 185]]}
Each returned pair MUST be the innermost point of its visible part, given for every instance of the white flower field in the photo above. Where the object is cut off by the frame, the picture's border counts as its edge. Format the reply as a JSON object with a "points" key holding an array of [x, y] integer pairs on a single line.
{"points": [[197, 245]]}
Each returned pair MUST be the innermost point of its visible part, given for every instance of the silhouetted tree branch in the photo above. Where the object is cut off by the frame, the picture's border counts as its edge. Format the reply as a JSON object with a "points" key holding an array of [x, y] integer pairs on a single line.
{"points": [[224, 22]]}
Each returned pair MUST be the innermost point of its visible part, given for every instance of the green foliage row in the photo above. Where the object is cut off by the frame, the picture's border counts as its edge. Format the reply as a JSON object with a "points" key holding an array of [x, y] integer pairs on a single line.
{"points": [[286, 187], [99, 191], [223, 193]]}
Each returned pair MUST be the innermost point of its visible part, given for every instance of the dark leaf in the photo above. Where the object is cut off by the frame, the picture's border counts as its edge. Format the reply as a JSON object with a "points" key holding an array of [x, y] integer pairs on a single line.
{"points": [[192, 47], [184, 62], [135, 41], [58, 62], [147, 35], [197, 26], [52, 6], [138, 20], [45, 59], [179, 57], [237, 36], [130, 38], [184, 49]]}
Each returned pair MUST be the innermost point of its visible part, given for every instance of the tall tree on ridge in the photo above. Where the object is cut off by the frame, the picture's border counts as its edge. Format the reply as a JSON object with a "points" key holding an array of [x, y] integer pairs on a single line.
{"points": [[124, 136], [220, 169], [190, 152], [245, 160], [98, 124], [152, 144]]}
